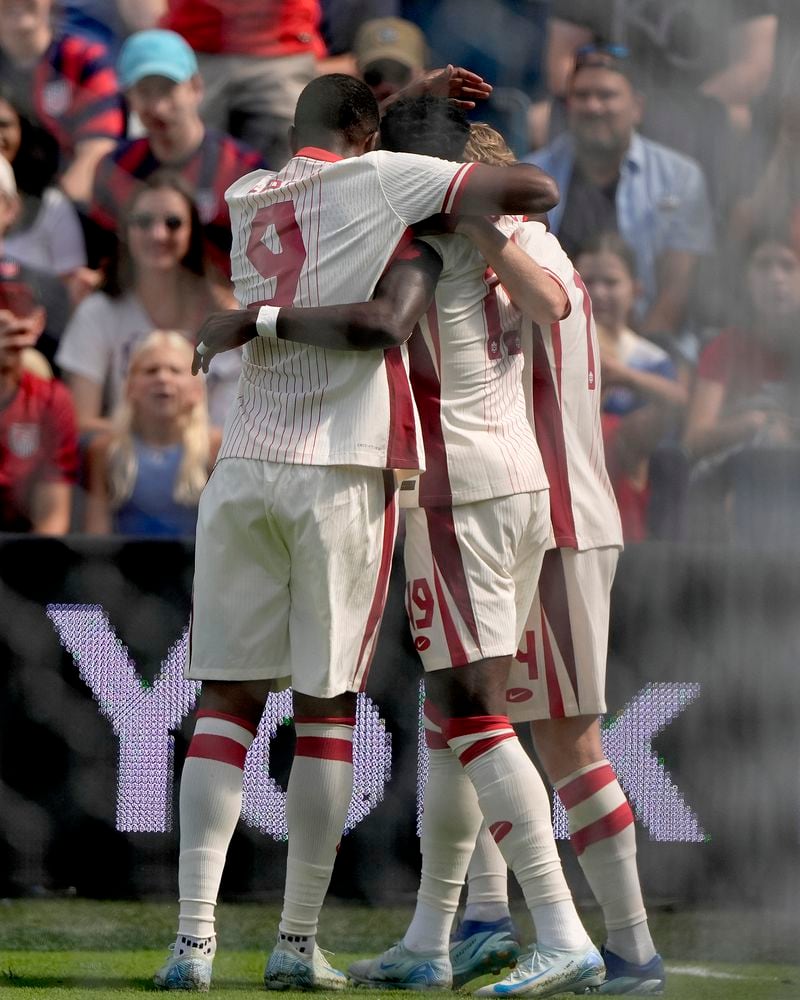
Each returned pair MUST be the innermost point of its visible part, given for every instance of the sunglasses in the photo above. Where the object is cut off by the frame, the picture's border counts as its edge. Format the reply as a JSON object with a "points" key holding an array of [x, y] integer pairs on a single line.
{"points": [[146, 220]]}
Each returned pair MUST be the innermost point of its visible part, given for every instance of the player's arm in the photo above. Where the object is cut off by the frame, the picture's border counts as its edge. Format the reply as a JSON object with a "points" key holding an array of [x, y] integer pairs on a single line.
{"points": [[387, 320], [532, 289], [519, 189]]}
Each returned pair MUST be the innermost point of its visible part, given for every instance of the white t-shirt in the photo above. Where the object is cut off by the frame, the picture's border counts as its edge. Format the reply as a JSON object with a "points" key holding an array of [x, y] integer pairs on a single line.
{"points": [[54, 243], [562, 384], [100, 338], [321, 232], [467, 382]]}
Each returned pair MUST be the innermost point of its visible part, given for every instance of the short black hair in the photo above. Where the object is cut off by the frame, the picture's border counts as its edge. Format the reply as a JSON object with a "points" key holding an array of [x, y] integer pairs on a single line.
{"points": [[336, 103], [432, 126]]}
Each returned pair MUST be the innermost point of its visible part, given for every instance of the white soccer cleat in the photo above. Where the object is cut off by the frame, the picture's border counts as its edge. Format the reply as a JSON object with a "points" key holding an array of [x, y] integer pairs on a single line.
{"points": [[401, 969], [546, 971], [189, 966], [291, 969]]}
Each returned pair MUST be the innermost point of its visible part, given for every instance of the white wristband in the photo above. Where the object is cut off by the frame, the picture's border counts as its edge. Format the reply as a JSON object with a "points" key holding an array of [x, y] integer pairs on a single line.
{"points": [[267, 322]]}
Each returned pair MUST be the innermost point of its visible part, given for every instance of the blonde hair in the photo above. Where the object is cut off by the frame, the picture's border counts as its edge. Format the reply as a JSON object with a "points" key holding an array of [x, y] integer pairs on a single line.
{"points": [[486, 145], [122, 461]]}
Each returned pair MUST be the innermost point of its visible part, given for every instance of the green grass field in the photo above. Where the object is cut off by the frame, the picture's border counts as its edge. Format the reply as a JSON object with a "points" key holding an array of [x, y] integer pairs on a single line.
{"points": [[78, 948]]}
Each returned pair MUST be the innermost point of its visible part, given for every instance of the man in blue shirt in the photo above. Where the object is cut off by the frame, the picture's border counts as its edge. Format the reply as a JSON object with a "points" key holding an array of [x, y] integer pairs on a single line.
{"points": [[612, 178]]}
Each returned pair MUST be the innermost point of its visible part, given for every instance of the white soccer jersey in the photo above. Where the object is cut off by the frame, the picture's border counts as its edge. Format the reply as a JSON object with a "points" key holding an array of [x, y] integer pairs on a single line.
{"points": [[562, 386], [467, 382], [321, 232]]}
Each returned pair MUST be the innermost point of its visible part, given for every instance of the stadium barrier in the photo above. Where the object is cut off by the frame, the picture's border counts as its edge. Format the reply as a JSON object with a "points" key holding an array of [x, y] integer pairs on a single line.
{"points": [[95, 718]]}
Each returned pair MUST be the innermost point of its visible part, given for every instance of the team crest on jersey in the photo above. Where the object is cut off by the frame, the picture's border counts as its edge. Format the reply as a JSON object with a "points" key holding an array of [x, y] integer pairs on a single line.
{"points": [[56, 97], [23, 440], [206, 201]]}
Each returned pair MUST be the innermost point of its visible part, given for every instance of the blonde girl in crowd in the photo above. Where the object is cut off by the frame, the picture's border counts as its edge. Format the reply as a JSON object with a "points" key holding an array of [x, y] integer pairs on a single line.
{"points": [[145, 475]]}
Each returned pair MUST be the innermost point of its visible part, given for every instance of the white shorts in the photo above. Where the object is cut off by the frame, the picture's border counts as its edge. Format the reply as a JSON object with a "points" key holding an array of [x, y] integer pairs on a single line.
{"points": [[560, 668], [471, 573], [292, 568]]}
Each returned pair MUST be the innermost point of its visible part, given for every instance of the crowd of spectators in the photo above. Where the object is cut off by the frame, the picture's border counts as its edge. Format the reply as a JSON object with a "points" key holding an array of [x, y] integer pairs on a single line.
{"points": [[672, 128]]}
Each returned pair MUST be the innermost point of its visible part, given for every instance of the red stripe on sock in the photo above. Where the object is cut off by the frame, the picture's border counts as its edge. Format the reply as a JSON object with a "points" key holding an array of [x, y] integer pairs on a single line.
{"points": [[220, 748], [585, 785], [474, 725], [319, 720], [435, 741], [601, 829], [475, 750], [206, 714], [324, 747], [500, 829]]}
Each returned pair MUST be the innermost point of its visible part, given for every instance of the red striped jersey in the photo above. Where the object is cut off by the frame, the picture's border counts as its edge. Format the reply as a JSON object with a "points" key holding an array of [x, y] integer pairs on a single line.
{"points": [[467, 381], [265, 28], [562, 384], [72, 91], [321, 232], [217, 162]]}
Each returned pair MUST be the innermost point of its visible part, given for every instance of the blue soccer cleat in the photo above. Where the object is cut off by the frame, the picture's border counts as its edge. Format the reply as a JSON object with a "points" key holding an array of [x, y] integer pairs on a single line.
{"points": [[189, 966], [480, 947], [401, 969], [547, 971], [626, 979], [288, 968]]}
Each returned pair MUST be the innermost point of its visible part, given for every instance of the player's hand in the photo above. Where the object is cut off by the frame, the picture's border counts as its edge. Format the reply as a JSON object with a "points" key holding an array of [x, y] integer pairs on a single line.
{"points": [[461, 86], [223, 331]]}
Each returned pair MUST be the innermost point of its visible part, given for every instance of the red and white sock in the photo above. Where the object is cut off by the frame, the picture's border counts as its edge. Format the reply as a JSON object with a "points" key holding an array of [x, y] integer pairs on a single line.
{"points": [[516, 807], [210, 803], [604, 838], [450, 823], [487, 881], [317, 799]]}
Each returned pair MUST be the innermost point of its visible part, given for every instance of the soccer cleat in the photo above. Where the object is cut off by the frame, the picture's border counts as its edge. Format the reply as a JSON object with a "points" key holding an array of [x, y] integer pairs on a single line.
{"points": [[626, 979], [479, 947], [188, 967], [401, 969], [290, 969], [546, 971]]}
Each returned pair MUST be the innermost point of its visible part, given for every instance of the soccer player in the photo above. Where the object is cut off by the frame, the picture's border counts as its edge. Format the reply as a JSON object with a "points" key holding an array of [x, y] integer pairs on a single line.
{"points": [[297, 523], [557, 679], [476, 532]]}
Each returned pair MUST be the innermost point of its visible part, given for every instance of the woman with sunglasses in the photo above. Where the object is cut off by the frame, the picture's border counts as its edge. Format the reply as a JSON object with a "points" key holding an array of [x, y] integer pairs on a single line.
{"points": [[157, 280]]}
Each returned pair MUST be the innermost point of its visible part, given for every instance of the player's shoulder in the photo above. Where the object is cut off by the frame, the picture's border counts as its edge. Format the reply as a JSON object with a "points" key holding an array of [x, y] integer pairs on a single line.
{"points": [[251, 183]]}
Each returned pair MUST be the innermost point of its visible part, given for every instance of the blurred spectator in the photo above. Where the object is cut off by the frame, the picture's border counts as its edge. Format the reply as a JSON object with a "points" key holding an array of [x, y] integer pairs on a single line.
{"points": [[642, 396], [748, 377], [47, 234], [27, 291], [501, 40], [157, 281], [38, 438], [145, 476], [612, 178], [255, 57], [159, 73], [341, 20], [389, 52], [67, 84], [701, 65], [775, 201], [97, 20]]}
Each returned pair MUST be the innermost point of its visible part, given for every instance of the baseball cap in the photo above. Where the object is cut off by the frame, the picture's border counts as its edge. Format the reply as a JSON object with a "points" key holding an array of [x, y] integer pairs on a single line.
{"points": [[155, 52], [390, 38], [8, 185]]}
